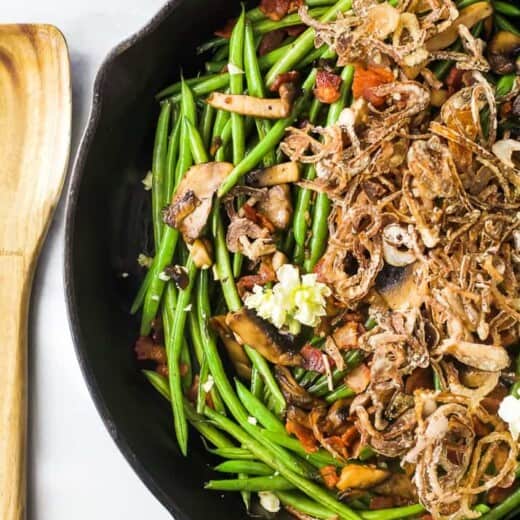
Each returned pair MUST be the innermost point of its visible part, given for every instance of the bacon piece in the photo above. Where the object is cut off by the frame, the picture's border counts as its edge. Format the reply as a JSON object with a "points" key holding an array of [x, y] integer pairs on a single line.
{"points": [[277, 9], [147, 350], [328, 87], [226, 31], [292, 76], [347, 336], [366, 79], [162, 370], [358, 379], [454, 80], [329, 476], [313, 359], [271, 41], [296, 30], [304, 435], [265, 275], [258, 218]]}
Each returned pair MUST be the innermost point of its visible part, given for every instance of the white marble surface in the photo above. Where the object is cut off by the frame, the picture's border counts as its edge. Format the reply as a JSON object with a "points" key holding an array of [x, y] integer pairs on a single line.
{"points": [[75, 468]]}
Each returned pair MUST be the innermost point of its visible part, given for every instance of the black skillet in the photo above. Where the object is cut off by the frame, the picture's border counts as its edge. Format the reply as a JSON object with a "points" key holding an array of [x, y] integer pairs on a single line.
{"points": [[107, 227]]}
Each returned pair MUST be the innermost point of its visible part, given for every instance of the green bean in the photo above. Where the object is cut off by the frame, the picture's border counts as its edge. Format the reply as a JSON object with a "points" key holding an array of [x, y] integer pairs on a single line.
{"points": [[244, 466], [205, 85], [366, 453], [263, 454], [255, 484], [215, 67], [216, 437], [257, 383], [173, 352], [221, 123], [236, 86], [232, 453], [189, 111], [172, 157], [353, 359], [258, 410], [143, 289], [270, 141], [506, 9], [255, 15], [342, 392], [309, 378], [466, 3], [197, 148], [262, 366], [160, 153], [318, 458], [482, 508], [266, 26], [255, 85], [303, 44], [320, 229], [201, 392], [212, 44], [505, 84], [504, 24], [206, 124]]}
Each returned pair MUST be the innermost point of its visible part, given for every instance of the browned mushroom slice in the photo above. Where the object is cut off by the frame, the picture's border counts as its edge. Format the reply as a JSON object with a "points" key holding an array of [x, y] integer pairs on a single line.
{"points": [[397, 287], [356, 476], [235, 350], [191, 204], [503, 53], [201, 253], [277, 206], [262, 336], [468, 16], [278, 174], [294, 393], [490, 358], [264, 108]]}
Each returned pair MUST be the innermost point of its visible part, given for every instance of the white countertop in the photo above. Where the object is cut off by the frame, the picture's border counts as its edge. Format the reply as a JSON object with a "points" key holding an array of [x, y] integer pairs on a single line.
{"points": [[75, 469]]}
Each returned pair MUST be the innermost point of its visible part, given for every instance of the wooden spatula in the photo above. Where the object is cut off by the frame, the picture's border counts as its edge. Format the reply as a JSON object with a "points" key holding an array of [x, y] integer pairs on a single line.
{"points": [[35, 121]]}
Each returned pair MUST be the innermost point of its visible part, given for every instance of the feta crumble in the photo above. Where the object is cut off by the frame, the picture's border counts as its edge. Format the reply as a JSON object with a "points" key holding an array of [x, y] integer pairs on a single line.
{"points": [[147, 181], [269, 501], [208, 385], [252, 420]]}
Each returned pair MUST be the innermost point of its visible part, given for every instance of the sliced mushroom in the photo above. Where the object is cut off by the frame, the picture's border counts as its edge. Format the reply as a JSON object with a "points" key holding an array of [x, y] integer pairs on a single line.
{"points": [[503, 53], [277, 206], [398, 246], [294, 393], [246, 237], [356, 476], [397, 287], [262, 336], [201, 253], [234, 348], [264, 108], [278, 174], [490, 358], [468, 16], [191, 204]]}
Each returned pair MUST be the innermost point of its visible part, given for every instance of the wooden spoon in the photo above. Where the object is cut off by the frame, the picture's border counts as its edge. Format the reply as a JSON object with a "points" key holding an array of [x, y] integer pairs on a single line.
{"points": [[35, 121]]}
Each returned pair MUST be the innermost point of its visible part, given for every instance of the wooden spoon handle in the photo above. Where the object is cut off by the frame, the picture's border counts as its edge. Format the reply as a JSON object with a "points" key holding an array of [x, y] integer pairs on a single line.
{"points": [[15, 280]]}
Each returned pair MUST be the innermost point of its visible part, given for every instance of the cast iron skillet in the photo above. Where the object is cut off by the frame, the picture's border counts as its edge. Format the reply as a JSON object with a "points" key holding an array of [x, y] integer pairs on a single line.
{"points": [[107, 227]]}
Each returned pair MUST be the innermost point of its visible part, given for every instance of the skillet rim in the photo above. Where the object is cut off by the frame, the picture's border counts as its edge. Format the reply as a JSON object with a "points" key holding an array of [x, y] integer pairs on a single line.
{"points": [[71, 201]]}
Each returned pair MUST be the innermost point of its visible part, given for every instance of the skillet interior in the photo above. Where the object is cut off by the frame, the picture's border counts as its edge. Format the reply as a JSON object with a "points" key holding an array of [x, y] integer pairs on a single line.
{"points": [[107, 228]]}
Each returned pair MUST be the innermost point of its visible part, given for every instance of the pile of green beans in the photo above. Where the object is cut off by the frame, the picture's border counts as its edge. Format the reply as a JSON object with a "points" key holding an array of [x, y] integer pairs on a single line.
{"points": [[243, 424]]}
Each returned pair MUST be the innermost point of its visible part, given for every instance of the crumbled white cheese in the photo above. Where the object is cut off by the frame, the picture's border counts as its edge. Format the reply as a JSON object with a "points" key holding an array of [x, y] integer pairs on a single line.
{"points": [[208, 385], [252, 420], [234, 70], [147, 181], [509, 411], [124, 275], [155, 297], [164, 277], [188, 308], [269, 501], [294, 301], [144, 261]]}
